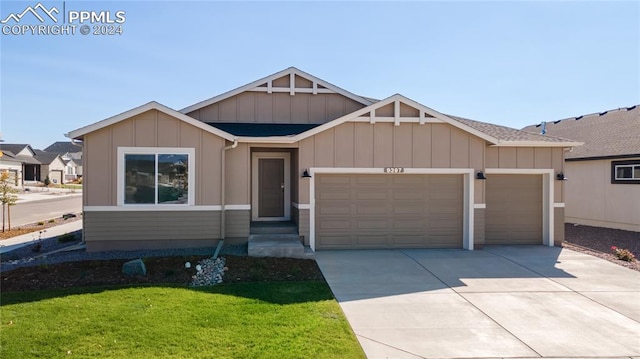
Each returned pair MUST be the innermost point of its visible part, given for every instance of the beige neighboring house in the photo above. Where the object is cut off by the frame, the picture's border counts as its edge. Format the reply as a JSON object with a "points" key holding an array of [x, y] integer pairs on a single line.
{"points": [[603, 187], [52, 166], [71, 154], [13, 166], [24, 156], [348, 171]]}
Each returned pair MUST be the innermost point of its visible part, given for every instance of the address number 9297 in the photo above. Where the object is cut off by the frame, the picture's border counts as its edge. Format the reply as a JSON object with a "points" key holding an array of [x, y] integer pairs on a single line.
{"points": [[394, 170]]}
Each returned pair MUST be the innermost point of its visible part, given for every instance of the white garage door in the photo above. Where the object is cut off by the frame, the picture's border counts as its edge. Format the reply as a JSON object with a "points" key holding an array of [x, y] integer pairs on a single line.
{"points": [[388, 211]]}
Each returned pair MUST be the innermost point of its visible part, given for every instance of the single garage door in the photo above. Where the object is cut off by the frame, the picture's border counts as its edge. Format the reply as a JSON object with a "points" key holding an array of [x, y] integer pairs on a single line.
{"points": [[388, 211], [514, 209], [55, 177]]}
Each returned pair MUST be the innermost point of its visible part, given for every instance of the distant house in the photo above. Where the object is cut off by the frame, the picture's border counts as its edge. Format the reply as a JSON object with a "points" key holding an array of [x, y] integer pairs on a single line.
{"points": [[603, 187], [71, 154], [28, 165]]}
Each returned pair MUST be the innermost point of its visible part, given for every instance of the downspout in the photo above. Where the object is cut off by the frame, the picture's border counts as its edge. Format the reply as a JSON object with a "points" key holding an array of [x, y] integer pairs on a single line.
{"points": [[222, 195]]}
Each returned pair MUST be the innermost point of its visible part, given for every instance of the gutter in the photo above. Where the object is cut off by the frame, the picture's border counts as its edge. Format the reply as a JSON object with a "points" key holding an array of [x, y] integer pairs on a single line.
{"points": [[223, 217]]}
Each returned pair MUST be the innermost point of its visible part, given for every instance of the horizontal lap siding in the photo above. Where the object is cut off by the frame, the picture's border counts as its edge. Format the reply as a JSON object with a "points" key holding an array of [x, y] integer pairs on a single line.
{"points": [[386, 211], [151, 225], [238, 223]]}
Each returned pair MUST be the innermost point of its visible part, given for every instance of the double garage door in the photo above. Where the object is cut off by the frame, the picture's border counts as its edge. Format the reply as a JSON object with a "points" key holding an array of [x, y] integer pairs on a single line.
{"points": [[388, 211]]}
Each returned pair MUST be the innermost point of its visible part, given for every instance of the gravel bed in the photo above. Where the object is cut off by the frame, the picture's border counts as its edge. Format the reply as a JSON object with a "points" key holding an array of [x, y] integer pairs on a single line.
{"points": [[26, 257], [597, 241]]}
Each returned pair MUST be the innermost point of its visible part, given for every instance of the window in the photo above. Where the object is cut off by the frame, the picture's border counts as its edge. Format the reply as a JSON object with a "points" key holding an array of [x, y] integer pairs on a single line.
{"points": [[625, 172], [156, 176]]}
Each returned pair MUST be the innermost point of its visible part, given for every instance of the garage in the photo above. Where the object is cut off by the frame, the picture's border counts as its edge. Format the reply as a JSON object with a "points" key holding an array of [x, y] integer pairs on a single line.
{"points": [[55, 177], [514, 209], [356, 211]]}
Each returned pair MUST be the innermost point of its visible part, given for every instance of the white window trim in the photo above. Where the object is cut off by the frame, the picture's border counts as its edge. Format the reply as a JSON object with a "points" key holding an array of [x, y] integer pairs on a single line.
{"points": [[122, 151], [632, 166]]}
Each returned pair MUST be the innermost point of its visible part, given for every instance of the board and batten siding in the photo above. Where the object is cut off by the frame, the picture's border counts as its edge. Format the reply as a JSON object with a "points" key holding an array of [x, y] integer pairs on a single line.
{"points": [[260, 107], [409, 145]]}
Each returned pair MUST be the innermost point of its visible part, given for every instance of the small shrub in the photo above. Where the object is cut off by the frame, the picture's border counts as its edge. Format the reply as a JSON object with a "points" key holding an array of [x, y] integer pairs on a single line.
{"points": [[623, 254], [67, 237], [40, 223], [51, 220]]}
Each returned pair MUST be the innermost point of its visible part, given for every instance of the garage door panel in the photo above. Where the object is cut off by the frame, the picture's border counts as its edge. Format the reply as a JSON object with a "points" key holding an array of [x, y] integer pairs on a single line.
{"points": [[388, 211], [514, 209]]}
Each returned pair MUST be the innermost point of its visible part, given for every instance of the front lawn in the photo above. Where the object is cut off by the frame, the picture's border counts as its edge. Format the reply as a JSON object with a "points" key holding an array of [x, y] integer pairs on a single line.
{"points": [[241, 320]]}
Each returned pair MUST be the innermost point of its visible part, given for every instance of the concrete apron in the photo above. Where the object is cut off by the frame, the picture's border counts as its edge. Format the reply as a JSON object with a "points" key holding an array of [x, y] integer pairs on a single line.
{"points": [[503, 301]]}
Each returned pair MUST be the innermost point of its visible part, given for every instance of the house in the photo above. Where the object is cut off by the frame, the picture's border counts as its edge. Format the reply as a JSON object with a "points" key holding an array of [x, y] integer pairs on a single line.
{"points": [[23, 154], [13, 166], [348, 171], [603, 187], [71, 154], [51, 166]]}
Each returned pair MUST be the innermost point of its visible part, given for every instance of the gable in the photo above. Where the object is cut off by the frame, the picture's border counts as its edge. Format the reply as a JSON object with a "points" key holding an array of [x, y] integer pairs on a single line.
{"points": [[289, 96]]}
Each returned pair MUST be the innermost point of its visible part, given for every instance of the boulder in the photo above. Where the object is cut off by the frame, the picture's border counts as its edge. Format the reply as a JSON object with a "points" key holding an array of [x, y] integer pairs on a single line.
{"points": [[134, 267]]}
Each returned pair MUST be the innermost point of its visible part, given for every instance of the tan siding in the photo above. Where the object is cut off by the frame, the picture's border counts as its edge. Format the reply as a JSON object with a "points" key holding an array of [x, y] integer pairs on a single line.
{"points": [[363, 140], [478, 226], [318, 109], [303, 224], [237, 223], [301, 82], [283, 81], [558, 165], [421, 145], [385, 111], [210, 113], [246, 107], [281, 108], [508, 157], [296, 174], [324, 149], [306, 152], [514, 209], [238, 169], [525, 157], [264, 109], [98, 181], [459, 149], [402, 146], [383, 145], [228, 110], [386, 211], [344, 154], [145, 129], [441, 145], [300, 109], [492, 157], [408, 111], [542, 157]]}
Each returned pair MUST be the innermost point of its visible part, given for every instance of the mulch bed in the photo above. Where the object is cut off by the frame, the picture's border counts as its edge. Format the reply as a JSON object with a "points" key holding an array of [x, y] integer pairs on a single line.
{"points": [[598, 241], [171, 270], [34, 227], [165, 270]]}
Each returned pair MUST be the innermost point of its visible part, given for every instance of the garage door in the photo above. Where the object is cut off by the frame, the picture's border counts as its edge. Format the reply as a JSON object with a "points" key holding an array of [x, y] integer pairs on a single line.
{"points": [[514, 209], [56, 177], [388, 211]]}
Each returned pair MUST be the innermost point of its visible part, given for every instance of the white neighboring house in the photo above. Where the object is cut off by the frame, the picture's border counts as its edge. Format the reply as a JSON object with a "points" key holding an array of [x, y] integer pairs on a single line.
{"points": [[21, 155]]}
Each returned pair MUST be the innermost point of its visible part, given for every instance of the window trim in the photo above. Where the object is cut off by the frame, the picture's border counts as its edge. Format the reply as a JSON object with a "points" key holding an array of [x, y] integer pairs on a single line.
{"points": [[122, 151], [629, 163]]}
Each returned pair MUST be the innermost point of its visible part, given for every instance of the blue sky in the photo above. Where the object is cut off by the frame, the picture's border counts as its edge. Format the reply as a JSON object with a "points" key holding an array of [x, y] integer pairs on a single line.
{"points": [[510, 63]]}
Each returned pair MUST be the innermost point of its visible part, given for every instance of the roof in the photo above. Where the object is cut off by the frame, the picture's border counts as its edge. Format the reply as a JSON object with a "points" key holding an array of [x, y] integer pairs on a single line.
{"points": [[291, 71], [508, 134], [62, 147], [262, 129], [613, 133], [45, 157], [13, 147]]}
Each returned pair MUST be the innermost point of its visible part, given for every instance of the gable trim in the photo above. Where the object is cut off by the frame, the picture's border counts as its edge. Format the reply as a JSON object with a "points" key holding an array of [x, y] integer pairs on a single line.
{"points": [[292, 72], [144, 108]]}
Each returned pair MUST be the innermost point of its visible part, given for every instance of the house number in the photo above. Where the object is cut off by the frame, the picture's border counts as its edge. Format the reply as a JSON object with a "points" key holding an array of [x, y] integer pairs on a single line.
{"points": [[393, 169]]}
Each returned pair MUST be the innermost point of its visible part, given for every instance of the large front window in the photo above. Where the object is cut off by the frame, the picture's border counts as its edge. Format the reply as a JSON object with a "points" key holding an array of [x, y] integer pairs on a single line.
{"points": [[156, 176]]}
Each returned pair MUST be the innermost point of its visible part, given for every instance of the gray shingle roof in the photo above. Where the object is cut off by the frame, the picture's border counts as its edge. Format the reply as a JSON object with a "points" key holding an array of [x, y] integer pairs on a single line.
{"points": [[507, 134], [62, 147], [606, 134]]}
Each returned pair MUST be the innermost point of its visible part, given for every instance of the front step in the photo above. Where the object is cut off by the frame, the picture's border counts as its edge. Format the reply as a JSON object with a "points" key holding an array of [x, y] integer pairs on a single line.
{"points": [[277, 245], [273, 228]]}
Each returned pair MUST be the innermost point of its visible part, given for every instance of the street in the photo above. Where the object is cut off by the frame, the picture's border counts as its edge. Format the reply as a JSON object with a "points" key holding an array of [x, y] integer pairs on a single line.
{"points": [[34, 211]]}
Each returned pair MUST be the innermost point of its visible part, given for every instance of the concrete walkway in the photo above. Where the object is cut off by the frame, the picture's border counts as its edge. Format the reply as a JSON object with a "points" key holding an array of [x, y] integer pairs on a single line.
{"points": [[500, 302], [13, 243]]}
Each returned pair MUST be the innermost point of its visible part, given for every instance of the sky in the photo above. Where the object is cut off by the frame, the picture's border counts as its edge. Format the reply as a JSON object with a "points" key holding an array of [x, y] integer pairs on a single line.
{"points": [[512, 63]]}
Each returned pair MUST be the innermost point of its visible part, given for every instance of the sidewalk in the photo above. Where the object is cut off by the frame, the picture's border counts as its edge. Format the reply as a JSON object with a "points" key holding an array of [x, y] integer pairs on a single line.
{"points": [[43, 193], [7, 245]]}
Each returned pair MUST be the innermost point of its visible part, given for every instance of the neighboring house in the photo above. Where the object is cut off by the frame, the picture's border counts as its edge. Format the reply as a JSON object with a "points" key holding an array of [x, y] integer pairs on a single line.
{"points": [[13, 166], [603, 187], [347, 170], [23, 153], [72, 155], [52, 166]]}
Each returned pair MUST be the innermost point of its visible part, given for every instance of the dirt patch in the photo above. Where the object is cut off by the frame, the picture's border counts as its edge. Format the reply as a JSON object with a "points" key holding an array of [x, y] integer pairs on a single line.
{"points": [[159, 270], [35, 227], [598, 241]]}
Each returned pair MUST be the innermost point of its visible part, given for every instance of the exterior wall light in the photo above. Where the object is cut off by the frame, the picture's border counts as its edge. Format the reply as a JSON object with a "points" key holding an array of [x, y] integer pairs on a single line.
{"points": [[480, 176], [306, 174]]}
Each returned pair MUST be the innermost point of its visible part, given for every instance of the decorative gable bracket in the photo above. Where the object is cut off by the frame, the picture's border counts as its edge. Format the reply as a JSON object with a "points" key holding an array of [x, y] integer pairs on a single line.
{"points": [[397, 112]]}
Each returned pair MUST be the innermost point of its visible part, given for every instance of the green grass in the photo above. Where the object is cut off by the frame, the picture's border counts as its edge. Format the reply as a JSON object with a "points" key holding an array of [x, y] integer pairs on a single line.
{"points": [[244, 320]]}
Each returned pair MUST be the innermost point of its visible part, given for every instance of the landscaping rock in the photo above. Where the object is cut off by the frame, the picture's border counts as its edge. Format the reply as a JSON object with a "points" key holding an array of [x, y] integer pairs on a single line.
{"points": [[134, 267], [210, 272]]}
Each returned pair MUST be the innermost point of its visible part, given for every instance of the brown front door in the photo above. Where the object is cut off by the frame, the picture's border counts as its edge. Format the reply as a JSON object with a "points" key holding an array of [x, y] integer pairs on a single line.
{"points": [[271, 187]]}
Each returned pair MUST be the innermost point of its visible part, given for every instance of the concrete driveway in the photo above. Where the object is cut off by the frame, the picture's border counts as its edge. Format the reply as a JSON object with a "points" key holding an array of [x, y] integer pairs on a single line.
{"points": [[500, 302]]}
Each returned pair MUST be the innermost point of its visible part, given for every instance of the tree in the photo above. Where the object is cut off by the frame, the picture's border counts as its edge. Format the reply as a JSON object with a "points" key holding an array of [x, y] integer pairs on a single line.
{"points": [[47, 181], [7, 196]]}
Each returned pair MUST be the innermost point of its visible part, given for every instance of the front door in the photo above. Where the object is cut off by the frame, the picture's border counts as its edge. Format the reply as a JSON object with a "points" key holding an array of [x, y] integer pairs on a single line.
{"points": [[270, 187]]}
